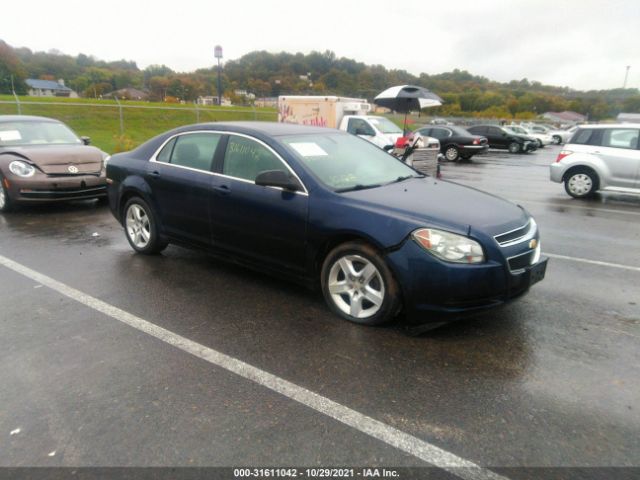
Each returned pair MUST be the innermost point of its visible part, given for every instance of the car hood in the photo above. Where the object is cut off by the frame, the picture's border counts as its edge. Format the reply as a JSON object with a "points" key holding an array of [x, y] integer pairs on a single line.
{"points": [[56, 159], [431, 202]]}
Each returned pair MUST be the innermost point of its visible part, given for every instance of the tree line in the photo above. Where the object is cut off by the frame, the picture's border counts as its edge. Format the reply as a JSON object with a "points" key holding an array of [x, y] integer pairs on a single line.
{"points": [[318, 73]]}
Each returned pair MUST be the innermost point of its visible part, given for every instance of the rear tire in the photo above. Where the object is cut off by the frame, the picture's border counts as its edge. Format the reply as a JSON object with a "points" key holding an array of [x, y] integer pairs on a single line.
{"points": [[514, 147], [141, 227], [5, 201], [557, 139], [358, 285], [581, 183], [452, 154]]}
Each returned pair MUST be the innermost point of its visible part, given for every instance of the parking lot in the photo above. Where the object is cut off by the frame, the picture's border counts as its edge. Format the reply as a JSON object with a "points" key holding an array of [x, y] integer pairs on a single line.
{"points": [[110, 358]]}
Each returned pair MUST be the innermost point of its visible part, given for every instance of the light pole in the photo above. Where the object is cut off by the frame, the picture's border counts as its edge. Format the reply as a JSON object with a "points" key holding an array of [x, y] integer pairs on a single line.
{"points": [[218, 54], [626, 75]]}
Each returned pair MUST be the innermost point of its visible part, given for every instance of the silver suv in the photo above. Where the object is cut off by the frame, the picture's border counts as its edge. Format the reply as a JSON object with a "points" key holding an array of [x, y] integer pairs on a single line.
{"points": [[600, 157]]}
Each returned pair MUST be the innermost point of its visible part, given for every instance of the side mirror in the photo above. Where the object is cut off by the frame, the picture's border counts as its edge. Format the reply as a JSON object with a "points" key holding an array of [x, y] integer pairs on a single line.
{"points": [[278, 178], [86, 140]]}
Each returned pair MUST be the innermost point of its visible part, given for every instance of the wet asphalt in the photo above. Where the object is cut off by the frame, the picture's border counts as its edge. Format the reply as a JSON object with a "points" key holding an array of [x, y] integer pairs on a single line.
{"points": [[548, 381]]}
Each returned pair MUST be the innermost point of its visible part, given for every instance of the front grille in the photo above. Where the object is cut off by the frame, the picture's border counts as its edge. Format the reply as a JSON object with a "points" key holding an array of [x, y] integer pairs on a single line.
{"points": [[513, 236], [520, 262], [64, 193]]}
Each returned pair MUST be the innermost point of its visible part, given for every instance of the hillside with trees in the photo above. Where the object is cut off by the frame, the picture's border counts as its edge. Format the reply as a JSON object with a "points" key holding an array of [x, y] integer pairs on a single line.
{"points": [[317, 73]]}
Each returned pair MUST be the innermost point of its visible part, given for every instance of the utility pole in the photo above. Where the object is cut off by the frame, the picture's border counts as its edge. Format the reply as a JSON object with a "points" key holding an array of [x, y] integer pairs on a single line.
{"points": [[626, 76], [218, 54]]}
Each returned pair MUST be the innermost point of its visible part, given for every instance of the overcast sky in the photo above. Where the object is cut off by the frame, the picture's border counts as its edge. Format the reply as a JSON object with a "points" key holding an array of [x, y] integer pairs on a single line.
{"points": [[583, 44]]}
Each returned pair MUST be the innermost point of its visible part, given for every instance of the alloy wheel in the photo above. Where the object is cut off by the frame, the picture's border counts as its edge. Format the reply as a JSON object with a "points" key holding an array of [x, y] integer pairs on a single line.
{"points": [[356, 286], [451, 154], [138, 226]]}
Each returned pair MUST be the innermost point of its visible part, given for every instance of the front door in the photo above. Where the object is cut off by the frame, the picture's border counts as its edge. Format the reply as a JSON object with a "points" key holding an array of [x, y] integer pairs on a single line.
{"points": [[263, 224]]}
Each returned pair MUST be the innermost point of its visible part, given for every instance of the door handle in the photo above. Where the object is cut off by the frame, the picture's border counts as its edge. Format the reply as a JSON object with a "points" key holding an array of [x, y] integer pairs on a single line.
{"points": [[155, 174], [222, 189]]}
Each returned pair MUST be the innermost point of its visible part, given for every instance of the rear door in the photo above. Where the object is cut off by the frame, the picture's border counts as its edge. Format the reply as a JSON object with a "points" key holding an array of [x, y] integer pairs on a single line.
{"points": [[619, 151], [266, 225], [180, 178]]}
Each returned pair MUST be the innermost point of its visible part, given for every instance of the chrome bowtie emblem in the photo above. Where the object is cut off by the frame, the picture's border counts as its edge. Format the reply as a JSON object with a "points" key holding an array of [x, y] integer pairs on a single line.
{"points": [[72, 169]]}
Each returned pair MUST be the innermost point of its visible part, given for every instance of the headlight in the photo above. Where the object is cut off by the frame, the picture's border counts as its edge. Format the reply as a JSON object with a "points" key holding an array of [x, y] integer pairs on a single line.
{"points": [[449, 246], [21, 169], [105, 160]]}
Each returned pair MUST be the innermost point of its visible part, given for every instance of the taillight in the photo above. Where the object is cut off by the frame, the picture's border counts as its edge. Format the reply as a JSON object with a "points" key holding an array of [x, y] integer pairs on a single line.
{"points": [[562, 154], [476, 141]]}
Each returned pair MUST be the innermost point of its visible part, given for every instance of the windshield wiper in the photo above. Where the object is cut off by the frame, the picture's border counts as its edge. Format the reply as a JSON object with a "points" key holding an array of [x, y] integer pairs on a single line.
{"points": [[402, 179], [359, 186]]}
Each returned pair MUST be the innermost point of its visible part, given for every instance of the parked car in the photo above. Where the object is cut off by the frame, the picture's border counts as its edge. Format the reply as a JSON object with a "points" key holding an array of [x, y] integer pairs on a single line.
{"points": [[600, 157], [328, 209], [541, 138], [558, 136], [499, 137], [43, 160], [456, 142]]}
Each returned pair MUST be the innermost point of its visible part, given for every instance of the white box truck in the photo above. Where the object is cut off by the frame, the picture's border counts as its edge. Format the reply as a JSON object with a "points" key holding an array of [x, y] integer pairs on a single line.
{"points": [[348, 114]]}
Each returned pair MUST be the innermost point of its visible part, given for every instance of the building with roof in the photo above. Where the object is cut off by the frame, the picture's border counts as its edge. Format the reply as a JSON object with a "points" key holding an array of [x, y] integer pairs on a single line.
{"points": [[49, 88], [566, 117], [628, 117]]}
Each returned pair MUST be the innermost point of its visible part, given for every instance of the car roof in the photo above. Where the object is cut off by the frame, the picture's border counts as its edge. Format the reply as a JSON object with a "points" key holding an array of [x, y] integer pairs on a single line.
{"points": [[610, 125], [273, 129], [26, 118]]}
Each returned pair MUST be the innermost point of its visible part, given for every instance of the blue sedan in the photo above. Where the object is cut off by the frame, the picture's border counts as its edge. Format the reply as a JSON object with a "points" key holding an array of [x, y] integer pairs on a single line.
{"points": [[328, 209]]}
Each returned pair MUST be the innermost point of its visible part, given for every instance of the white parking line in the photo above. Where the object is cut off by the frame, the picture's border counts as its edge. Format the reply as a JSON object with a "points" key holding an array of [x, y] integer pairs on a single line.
{"points": [[386, 433], [573, 206], [592, 262]]}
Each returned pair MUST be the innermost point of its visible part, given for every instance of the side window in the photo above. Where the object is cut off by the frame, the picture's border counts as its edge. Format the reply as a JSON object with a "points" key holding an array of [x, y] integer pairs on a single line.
{"points": [[439, 133], [358, 126], [494, 131], [193, 150], [167, 150], [620, 138], [477, 130], [587, 136], [246, 158]]}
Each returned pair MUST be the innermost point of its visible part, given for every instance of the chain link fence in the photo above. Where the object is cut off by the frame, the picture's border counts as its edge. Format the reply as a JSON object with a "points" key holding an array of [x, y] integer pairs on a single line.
{"points": [[121, 125]]}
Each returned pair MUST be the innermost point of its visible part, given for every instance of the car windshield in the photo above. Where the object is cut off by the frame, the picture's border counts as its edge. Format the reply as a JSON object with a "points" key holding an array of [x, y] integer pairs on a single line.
{"points": [[385, 125], [346, 162], [36, 133], [515, 129]]}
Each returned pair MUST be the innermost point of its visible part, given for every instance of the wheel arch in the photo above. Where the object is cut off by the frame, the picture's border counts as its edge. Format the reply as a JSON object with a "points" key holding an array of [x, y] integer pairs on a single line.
{"points": [[338, 239]]}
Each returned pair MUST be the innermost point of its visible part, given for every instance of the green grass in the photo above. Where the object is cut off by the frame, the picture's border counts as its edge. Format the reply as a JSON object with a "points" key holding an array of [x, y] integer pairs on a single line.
{"points": [[100, 120]]}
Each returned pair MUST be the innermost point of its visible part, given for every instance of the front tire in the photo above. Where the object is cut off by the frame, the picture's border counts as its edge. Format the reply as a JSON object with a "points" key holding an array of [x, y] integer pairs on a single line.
{"points": [[581, 183], [452, 154], [5, 200], [358, 285], [514, 147], [141, 227]]}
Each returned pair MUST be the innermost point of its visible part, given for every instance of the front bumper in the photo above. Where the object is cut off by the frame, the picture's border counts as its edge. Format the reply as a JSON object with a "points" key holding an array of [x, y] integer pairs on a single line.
{"points": [[435, 291], [43, 188]]}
